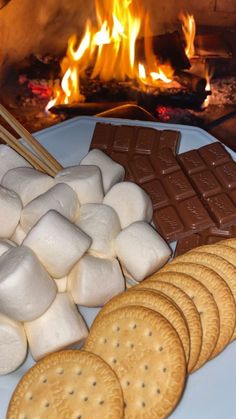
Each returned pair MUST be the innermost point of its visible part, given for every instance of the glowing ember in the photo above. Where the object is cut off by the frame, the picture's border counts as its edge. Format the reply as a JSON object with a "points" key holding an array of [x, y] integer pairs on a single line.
{"points": [[109, 49]]}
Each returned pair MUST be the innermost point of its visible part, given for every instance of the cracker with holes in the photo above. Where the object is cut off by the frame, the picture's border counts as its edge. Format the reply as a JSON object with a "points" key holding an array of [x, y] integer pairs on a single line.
{"points": [[223, 260], [155, 301], [189, 310], [145, 351], [220, 291], [205, 305], [69, 384]]}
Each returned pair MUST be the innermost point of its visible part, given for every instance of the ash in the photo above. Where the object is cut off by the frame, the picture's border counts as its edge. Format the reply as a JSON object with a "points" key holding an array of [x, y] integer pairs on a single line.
{"points": [[223, 91]]}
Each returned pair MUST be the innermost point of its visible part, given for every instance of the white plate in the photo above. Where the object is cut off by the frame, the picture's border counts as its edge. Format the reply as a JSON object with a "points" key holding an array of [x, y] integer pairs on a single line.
{"points": [[210, 392]]}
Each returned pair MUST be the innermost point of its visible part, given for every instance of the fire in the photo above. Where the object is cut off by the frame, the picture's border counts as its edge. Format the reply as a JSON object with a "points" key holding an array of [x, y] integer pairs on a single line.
{"points": [[110, 51], [208, 75], [189, 31]]}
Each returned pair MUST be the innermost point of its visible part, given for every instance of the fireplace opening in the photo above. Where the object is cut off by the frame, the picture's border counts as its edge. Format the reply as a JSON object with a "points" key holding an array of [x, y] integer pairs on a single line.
{"points": [[87, 57]]}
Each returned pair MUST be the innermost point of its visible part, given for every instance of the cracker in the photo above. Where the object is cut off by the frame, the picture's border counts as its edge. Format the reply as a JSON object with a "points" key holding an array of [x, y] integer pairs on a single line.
{"points": [[205, 305], [220, 249], [224, 264], [188, 308], [220, 291], [145, 351], [219, 265], [230, 242], [69, 384], [155, 301]]}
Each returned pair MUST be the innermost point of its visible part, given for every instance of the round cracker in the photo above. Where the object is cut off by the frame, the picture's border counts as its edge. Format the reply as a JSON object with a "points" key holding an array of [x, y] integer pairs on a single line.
{"points": [[205, 305], [229, 242], [68, 384], [188, 308], [220, 291], [155, 301], [145, 351], [224, 260], [220, 249], [219, 265]]}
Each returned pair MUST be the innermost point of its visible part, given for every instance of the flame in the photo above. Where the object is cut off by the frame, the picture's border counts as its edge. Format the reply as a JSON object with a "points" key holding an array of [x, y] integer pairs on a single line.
{"points": [[189, 31], [208, 76], [109, 49]]}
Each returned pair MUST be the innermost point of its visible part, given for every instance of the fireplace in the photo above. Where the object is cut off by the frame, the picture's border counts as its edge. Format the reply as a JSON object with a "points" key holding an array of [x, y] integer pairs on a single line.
{"points": [[32, 55]]}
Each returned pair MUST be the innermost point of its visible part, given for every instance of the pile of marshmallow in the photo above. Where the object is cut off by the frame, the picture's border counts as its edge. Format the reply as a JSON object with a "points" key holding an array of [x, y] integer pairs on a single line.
{"points": [[64, 242]]}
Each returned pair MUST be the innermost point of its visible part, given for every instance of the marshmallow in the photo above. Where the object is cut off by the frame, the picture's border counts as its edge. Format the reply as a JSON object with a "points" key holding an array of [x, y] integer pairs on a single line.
{"points": [[10, 159], [141, 250], [93, 281], [26, 289], [61, 284], [27, 182], [18, 235], [130, 202], [60, 326], [60, 197], [102, 224], [112, 172], [86, 182], [57, 242], [5, 245], [10, 211], [13, 345]]}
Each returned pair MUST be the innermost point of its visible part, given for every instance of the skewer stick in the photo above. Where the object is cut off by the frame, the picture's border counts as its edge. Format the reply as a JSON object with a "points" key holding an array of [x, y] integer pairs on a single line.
{"points": [[34, 144], [36, 162]]}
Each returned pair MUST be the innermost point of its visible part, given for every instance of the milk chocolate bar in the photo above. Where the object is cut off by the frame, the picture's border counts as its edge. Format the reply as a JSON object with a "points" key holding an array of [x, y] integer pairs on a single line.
{"points": [[133, 139], [212, 172], [149, 159], [208, 236]]}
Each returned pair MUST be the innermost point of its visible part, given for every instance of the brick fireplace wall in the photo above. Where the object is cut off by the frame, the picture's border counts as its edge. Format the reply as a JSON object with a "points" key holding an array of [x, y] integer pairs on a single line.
{"points": [[206, 12]]}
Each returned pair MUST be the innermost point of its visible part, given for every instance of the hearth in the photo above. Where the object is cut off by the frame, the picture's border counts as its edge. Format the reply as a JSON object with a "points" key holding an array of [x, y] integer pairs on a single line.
{"points": [[181, 92]]}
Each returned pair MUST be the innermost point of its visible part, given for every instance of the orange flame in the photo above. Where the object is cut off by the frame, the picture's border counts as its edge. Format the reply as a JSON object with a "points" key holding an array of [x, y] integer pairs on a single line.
{"points": [[110, 50], [189, 30]]}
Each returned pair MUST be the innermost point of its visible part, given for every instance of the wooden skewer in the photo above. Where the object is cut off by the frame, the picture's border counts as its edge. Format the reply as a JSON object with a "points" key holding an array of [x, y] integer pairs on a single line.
{"points": [[25, 135], [36, 162]]}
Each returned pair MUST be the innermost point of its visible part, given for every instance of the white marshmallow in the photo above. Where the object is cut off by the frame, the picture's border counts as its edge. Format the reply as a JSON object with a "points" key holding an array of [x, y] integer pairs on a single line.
{"points": [[112, 172], [93, 281], [60, 326], [60, 197], [18, 235], [57, 242], [5, 245], [27, 182], [61, 284], [10, 211], [13, 345], [141, 250], [86, 182], [26, 289], [102, 224], [130, 202], [10, 159]]}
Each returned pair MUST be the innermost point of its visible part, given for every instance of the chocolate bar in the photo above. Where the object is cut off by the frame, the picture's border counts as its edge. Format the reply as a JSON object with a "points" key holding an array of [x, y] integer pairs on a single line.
{"points": [[193, 193], [208, 236], [133, 139], [149, 158], [212, 172]]}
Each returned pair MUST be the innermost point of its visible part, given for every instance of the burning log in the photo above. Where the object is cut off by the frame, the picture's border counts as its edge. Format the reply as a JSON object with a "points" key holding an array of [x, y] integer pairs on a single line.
{"points": [[86, 108], [175, 99], [168, 47], [192, 81]]}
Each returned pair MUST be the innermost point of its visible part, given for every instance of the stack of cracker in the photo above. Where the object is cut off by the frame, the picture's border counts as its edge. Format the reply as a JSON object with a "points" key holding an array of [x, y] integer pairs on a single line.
{"points": [[148, 339], [193, 302]]}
